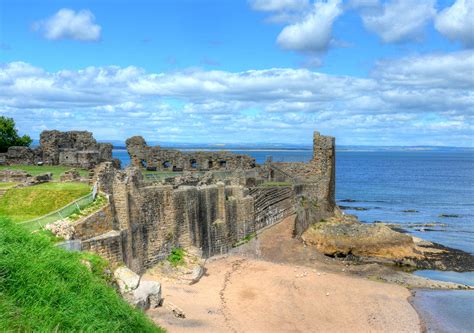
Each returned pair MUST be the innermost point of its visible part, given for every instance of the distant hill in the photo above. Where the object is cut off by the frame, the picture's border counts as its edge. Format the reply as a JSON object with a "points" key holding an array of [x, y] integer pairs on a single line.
{"points": [[119, 144]]}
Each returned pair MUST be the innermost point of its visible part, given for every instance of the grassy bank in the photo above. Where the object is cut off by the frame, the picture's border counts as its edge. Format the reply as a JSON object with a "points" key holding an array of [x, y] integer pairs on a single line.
{"points": [[34, 170], [46, 289], [21, 204]]}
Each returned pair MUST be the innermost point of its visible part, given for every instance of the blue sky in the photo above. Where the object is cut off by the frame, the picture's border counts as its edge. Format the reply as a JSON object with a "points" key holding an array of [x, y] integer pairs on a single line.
{"points": [[396, 72]]}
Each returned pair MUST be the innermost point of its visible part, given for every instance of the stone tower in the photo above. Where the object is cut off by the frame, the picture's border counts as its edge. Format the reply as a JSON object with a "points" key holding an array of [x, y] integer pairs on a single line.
{"points": [[324, 162]]}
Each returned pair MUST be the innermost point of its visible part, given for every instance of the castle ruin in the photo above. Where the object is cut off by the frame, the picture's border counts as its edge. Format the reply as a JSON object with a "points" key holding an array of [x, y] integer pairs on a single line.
{"points": [[74, 149], [147, 219], [156, 158]]}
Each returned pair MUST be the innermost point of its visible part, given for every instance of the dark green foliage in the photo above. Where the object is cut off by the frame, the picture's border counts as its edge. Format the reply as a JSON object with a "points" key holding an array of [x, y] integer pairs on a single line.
{"points": [[46, 289], [176, 257], [9, 136]]}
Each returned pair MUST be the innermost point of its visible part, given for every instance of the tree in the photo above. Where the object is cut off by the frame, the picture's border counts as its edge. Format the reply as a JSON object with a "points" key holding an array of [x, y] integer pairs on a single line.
{"points": [[9, 136]]}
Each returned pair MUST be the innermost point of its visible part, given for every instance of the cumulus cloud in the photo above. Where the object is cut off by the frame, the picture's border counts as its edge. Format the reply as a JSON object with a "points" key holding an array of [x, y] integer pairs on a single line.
{"points": [[398, 20], [457, 22], [431, 94], [308, 25], [69, 24], [314, 32]]}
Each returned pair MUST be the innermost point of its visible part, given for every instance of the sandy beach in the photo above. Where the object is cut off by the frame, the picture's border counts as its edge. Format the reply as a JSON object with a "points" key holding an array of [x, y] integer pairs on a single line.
{"points": [[239, 293], [245, 295]]}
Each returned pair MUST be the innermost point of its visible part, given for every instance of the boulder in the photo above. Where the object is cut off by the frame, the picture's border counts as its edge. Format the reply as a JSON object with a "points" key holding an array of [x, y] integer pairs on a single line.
{"points": [[127, 280], [146, 295], [197, 274]]}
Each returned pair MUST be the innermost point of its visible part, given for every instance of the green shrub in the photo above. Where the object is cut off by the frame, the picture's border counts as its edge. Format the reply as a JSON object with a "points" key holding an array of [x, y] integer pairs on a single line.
{"points": [[176, 257], [46, 289]]}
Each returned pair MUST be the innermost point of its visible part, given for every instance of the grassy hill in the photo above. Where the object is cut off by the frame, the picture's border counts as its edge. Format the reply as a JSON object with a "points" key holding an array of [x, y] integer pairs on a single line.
{"points": [[46, 289], [21, 204]]}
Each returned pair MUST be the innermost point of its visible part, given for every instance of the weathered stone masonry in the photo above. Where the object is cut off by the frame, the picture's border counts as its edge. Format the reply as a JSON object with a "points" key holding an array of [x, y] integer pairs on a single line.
{"points": [[157, 158], [75, 149], [151, 218]]}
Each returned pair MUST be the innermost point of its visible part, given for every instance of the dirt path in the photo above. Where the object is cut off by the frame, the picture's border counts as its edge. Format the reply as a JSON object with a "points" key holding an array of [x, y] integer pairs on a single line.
{"points": [[242, 294]]}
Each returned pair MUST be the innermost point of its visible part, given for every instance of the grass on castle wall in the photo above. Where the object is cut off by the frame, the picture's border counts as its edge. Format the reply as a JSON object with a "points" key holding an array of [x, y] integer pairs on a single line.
{"points": [[35, 170], [47, 289], [22, 204]]}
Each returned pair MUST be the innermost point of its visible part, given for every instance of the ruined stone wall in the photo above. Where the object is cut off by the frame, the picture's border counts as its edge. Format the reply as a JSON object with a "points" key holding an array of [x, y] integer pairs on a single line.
{"points": [[314, 183], [142, 155], [75, 149], [272, 205], [153, 218], [108, 246], [95, 224], [210, 218]]}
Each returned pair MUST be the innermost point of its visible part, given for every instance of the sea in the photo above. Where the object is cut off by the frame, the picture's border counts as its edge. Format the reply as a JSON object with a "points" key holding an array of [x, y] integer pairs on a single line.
{"points": [[429, 192]]}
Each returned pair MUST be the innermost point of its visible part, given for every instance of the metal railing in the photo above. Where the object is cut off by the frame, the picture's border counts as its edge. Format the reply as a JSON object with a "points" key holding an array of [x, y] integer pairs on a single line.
{"points": [[61, 213]]}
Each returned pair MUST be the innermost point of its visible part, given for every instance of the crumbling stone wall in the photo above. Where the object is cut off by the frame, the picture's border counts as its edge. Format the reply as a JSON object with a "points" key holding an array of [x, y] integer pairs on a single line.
{"points": [[157, 158], [150, 219], [75, 149], [272, 204], [95, 224], [108, 246]]}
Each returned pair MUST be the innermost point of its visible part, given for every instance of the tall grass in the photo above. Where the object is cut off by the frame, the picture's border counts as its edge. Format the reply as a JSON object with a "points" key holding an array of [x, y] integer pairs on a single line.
{"points": [[47, 289]]}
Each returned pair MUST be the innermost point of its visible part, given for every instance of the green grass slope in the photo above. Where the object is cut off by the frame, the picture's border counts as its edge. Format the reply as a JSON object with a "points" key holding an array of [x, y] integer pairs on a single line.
{"points": [[21, 204], [46, 289]]}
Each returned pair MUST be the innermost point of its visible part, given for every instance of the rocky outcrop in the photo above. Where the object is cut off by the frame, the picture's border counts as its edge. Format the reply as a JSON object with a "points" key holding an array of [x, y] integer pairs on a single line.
{"points": [[340, 237]]}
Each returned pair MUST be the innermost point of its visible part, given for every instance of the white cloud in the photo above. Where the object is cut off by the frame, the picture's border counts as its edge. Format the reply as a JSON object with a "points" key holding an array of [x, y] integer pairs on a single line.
{"points": [[457, 22], [68, 24], [399, 20], [314, 32], [278, 104]]}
